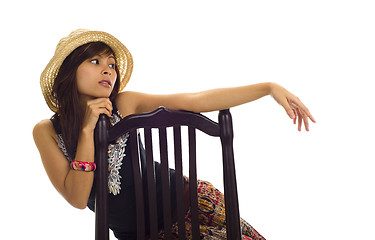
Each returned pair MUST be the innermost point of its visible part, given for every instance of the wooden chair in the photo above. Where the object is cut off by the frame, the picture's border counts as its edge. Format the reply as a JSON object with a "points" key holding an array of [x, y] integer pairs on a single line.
{"points": [[161, 119]]}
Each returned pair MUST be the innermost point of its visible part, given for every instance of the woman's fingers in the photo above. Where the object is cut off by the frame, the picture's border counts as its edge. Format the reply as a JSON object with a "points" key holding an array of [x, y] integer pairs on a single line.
{"points": [[305, 121], [302, 113], [298, 104], [101, 105], [94, 108], [300, 119], [288, 108], [293, 106]]}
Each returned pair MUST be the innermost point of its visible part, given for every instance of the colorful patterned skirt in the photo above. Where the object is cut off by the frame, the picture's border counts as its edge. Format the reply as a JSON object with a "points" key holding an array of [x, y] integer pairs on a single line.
{"points": [[211, 211]]}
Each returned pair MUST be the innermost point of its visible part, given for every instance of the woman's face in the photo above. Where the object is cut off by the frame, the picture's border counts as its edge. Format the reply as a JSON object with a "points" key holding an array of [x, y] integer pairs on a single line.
{"points": [[96, 77]]}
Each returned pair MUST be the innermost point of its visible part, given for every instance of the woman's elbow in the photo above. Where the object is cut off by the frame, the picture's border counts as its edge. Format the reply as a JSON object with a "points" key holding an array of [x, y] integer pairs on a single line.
{"points": [[78, 204], [81, 207]]}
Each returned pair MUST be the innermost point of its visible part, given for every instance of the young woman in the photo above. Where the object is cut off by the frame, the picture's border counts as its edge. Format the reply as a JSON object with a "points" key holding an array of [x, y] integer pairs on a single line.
{"points": [[84, 79]]}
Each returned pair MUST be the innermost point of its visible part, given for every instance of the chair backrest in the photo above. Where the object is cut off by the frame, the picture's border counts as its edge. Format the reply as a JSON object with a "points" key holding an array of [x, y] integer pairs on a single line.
{"points": [[161, 119]]}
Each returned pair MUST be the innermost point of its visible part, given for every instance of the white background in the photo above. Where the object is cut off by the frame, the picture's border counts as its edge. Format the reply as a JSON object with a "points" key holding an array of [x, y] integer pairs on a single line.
{"points": [[292, 185]]}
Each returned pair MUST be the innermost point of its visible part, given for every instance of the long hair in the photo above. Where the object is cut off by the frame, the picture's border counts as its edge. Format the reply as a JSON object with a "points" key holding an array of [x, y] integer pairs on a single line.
{"points": [[65, 91]]}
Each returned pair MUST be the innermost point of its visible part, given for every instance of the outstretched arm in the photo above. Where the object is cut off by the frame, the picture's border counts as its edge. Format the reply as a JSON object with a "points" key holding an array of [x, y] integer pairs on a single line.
{"points": [[216, 99]]}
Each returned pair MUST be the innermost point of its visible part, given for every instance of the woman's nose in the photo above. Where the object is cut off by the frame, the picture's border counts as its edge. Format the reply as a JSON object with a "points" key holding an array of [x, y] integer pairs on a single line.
{"points": [[107, 71]]}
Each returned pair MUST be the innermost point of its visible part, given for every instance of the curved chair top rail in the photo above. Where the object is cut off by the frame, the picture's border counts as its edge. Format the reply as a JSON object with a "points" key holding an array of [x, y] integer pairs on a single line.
{"points": [[168, 118]]}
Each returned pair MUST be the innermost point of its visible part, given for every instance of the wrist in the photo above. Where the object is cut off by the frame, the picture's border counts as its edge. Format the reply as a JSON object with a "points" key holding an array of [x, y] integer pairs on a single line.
{"points": [[269, 87], [85, 147], [86, 136], [87, 131]]}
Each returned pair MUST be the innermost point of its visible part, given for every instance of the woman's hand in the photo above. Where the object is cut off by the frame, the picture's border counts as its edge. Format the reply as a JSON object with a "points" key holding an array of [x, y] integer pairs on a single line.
{"points": [[295, 109], [94, 108]]}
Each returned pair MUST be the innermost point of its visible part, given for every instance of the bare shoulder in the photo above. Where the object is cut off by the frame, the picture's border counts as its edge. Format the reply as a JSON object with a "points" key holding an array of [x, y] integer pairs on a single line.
{"points": [[53, 159], [128, 96], [127, 102], [44, 130]]}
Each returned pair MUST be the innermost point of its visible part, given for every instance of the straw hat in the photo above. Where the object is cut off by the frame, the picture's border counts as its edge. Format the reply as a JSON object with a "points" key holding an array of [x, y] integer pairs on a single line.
{"points": [[124, 60]]}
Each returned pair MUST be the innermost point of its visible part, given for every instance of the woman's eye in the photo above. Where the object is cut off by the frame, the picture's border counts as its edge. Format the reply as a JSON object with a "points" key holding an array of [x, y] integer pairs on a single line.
{"points": [[95, 61], [112, 66]]}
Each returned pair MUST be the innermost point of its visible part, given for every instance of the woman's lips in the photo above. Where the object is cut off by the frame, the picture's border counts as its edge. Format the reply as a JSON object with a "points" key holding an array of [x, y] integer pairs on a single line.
{"points": [[105, 83]]}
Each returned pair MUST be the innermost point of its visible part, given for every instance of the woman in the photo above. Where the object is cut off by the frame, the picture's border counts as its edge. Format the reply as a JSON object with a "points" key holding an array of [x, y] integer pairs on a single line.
{"points": [[84, 79]]}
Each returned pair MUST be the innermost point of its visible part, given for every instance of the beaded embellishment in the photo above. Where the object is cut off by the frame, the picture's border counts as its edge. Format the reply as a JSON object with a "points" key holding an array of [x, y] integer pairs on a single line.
{"points": [[116, 152], [61, 145]]}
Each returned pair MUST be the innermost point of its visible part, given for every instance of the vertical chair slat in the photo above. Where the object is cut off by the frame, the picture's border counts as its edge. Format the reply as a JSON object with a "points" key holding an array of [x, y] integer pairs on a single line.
{"points": [[193, 183], [180, 208], [167, 213], [151, 186], [230, 185], [101, 179], [137, 186]]}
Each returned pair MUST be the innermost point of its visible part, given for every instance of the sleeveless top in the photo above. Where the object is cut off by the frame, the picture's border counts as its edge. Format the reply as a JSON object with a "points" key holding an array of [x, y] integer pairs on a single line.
{"points": [[122, 209]]}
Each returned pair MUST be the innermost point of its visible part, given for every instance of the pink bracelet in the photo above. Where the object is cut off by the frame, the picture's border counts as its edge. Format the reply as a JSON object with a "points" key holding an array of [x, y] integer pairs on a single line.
{"points": [[83, 166]]}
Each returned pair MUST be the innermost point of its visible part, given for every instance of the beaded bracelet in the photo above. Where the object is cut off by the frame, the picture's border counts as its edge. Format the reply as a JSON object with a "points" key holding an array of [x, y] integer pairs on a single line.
{"points": [[83, 166]]}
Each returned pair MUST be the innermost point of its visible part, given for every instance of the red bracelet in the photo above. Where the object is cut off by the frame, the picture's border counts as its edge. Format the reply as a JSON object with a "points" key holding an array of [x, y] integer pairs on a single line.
{"points": [[83, 166]]}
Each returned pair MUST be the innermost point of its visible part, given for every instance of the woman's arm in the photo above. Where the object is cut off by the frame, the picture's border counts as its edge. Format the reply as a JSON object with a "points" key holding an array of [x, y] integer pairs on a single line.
{"points": [[75, 186], [215, 99]]}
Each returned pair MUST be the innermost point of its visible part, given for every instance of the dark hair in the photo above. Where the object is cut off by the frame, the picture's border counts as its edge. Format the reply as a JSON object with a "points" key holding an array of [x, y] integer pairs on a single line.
{"points": [[65, 91]]}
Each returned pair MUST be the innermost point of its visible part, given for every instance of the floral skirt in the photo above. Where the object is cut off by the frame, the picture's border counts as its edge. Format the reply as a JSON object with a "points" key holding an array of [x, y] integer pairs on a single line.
{"points": [[211, 211]]}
